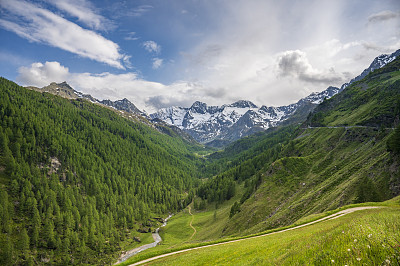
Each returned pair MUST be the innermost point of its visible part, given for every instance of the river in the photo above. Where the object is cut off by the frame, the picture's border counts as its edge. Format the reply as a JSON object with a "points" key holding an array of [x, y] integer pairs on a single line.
{"points": [[156, 237]]}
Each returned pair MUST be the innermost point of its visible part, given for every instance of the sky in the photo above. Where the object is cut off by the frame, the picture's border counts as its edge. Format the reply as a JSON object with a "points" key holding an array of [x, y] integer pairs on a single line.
{"points": [[161, 53]]}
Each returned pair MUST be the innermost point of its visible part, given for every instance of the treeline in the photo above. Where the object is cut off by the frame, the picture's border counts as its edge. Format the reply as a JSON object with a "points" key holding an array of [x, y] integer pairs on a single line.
{"points": [[75, 178]]}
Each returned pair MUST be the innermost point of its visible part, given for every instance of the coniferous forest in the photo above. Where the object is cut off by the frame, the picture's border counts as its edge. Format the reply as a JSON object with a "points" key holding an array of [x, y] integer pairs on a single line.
{"points": [[76, 178]]}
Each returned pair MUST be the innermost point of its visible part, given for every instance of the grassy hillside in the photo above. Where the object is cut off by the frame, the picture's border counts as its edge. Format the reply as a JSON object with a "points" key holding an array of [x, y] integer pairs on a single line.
{"points": [[77, 180], [368, 237], [322, 169], [373, 101]]}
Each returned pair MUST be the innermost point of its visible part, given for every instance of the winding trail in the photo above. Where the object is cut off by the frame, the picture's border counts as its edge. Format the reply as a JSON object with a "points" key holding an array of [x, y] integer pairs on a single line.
{"points": [[194, 229], [330, 217]]}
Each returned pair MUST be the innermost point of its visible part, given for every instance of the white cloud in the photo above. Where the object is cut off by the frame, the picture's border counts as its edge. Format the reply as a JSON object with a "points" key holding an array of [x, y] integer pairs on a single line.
{"points": [[84, 11], [145, 94], [40, 25], [295, 64], [127, 61], [152, 47], [239, 53], [131, 36], [157, 63], [383, 16], [381, 48], [40, 75], [139, 11]]}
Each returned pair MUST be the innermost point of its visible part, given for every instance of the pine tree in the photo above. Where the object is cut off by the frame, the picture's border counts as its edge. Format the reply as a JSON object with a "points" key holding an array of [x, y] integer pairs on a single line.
{"points": [[48, 232], [7, 252], [24, 242]]}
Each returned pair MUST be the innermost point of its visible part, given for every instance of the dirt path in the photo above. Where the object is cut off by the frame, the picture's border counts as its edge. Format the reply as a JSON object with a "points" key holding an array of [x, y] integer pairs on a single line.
{"points": [[194, 229], [330, 217]]}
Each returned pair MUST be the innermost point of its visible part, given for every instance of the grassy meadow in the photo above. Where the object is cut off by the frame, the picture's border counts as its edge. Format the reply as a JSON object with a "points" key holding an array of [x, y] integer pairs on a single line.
{"points": [[376, 231], [368, 237]]}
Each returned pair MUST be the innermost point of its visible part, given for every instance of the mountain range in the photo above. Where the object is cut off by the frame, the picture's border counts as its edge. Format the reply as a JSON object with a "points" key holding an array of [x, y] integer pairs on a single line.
{"points": [[219, 125]]}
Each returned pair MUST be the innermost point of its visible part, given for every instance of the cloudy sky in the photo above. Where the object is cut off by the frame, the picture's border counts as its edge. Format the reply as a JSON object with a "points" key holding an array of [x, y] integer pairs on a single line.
{"points": [[174, 52]]}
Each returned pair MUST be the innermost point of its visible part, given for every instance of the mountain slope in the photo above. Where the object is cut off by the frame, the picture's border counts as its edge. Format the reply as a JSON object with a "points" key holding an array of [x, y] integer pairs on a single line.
{"points": [[78, 180], [339, 156], [66, 91], [373, 101]]}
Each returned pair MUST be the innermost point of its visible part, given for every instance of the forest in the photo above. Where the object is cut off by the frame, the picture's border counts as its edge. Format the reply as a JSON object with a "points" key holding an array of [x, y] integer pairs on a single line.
{"points": [[77, 178]]}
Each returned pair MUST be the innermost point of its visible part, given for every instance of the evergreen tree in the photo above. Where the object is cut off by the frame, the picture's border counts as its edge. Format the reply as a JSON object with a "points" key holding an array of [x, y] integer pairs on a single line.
{"points": [[24, 242]]}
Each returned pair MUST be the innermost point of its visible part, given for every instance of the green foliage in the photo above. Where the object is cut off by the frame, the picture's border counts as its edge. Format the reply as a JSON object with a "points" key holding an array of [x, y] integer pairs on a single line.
{"points": [[366, 191], [394, 142], [80, 178], [234, 209], [245, 158]]}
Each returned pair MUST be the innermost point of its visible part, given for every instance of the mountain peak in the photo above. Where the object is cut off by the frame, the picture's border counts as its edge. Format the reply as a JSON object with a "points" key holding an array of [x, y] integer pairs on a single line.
{"points": [[243, 104], [124, 105], [378, 62], [199, 107]]}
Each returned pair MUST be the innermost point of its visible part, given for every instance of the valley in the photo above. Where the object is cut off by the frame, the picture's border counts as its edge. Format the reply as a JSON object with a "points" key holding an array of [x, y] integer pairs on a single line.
{"points": [[83, 182], [352, 236]]}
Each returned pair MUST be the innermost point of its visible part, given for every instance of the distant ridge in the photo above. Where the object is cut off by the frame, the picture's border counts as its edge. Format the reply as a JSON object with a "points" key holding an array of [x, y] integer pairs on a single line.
{"points": [[219, 125]]}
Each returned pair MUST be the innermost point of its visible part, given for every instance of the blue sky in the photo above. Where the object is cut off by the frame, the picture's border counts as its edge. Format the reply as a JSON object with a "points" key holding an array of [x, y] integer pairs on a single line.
{"points": [[174, 52]]}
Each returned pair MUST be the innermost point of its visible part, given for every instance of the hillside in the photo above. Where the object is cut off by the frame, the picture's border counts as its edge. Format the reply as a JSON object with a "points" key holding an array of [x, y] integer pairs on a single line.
{"points": [[339, 156], [368, 236], [78, 180]]}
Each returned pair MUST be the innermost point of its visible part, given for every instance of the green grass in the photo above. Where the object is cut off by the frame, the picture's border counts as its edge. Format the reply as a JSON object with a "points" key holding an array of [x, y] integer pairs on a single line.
{"points": [[392, 204], [176, 235], [323, 171], [369, 237]]}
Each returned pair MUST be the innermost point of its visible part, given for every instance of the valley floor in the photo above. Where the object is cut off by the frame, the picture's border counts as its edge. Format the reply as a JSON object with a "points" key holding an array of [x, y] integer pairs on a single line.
{"points": [[357, 235]]}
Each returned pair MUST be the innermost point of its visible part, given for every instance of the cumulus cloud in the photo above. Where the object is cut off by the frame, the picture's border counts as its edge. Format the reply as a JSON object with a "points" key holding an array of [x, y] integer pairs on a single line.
{"points": [[157, 63], [295, 64], [40, 75], [85, 12], [40, 25], [152, 47], [383, 16]]}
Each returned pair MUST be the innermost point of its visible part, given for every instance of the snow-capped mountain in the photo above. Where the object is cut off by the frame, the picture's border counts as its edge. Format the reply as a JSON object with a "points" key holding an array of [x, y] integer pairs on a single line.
{"points": [[233, 121], [224, 123], [378, 62]]}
